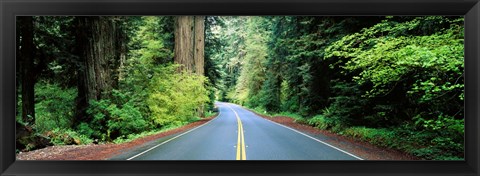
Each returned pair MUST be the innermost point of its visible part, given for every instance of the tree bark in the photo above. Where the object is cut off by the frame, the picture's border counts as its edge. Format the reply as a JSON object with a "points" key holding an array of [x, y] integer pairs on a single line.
{"points": [[27, 53], [99, 55], [199, 44], [189, 46], [184, 43], [199, 54], [190, 43]]}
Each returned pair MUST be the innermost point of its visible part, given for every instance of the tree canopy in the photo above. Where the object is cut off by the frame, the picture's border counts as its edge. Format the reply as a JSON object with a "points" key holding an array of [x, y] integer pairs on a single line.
{"points": [[394, 81]]}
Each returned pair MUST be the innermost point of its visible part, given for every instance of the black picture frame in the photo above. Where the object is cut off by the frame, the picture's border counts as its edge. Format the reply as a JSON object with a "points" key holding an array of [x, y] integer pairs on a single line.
{"points": [[11, 8]]}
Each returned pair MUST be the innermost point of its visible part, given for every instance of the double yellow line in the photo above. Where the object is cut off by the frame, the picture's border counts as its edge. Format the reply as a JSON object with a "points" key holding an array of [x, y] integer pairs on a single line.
{"points": [[241, 153]]}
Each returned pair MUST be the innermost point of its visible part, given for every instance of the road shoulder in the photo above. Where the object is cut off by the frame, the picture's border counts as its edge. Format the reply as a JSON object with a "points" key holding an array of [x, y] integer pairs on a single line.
{"points": [[101, 151], [361, 149]]}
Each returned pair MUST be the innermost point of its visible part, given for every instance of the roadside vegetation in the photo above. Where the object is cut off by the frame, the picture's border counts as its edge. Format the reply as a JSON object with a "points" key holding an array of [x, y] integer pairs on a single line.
{"points": [[103, 80], [396, 82]]}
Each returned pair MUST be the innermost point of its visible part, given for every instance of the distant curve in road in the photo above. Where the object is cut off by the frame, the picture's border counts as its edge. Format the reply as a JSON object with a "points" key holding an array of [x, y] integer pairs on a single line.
{"points": [[238, 134]]}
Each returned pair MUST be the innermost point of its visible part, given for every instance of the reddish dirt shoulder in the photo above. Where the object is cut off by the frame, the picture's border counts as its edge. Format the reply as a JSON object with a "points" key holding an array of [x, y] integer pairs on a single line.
{"points": [[361, 149], [98, 151], [104, 151]]}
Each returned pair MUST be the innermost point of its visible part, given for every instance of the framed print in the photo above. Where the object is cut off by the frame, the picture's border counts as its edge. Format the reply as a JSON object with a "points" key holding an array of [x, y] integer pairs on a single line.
{"points": [[309, 87]]}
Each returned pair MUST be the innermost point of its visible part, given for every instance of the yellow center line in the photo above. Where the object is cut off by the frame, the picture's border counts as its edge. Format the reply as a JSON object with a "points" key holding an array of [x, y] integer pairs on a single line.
{"points": [[241, 153], [244, 154], [238, 140]]}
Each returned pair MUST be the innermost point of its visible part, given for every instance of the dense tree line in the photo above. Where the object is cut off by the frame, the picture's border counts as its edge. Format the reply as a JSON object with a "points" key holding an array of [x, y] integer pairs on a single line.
{"points": [[396, 82], [102, 79], [393, 81]]}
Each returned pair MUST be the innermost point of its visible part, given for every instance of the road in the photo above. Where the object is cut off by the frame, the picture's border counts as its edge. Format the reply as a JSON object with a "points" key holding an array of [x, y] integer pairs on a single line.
{"points": [[238, 134]]}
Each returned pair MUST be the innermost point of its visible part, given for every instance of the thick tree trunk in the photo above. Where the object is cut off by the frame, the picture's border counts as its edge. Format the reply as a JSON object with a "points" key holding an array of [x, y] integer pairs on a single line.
{"points": [[199, 43], [199, 53], [189, 45], [25, 135], [184, 43], [121, 51], [27, 72], [98, 52]]}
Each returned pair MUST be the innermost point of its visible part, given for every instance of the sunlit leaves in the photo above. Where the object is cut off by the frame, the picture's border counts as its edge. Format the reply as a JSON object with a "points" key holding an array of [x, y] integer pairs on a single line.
{"points": [[175, 97], [386, 59]]}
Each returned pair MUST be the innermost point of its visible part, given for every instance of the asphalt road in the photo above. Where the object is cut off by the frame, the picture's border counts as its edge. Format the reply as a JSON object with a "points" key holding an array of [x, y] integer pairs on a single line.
{"points": [[238, 134]]}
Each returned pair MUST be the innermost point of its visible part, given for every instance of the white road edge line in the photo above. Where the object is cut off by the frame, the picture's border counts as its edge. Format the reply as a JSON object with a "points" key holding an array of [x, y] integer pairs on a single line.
{"points": [[164, 142], [306, 135]]}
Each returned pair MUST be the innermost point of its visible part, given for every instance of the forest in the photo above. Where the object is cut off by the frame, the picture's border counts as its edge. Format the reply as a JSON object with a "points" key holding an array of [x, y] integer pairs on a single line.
{"points": [[393, 81]]}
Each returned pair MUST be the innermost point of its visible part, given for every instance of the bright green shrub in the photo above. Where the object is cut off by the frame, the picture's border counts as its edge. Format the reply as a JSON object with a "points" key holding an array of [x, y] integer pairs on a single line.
{"points": [[382, 137], [404, 74], [54, 107], [125, 120], [320, 122], [445, 139], [113, 119], [85, 129], [175, 98], [60, 136]]}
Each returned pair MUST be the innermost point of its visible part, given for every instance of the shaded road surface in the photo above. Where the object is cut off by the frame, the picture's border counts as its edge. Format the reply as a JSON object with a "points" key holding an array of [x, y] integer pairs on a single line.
{"points": [[237, 134]]}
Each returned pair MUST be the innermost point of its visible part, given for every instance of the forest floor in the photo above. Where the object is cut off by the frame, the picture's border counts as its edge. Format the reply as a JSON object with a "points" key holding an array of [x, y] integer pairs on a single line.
{"points": [[105, 151]]}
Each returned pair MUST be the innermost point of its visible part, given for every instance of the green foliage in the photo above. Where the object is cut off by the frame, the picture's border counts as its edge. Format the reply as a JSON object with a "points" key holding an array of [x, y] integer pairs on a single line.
{"points": [[54, 107], [404, 70], [396, 82], [252, 73], [386, 59], [175, 97], [133, 136], [270, 94], [445, 139], [424, 144], [152, 40], [321, 122], [59, 136], [112, 119], [381, 137]]}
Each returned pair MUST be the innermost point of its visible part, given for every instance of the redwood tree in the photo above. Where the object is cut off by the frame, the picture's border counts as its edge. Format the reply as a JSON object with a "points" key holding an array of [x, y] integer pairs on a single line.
{"points": [[190, 43], [101, 50], [26, 53]]}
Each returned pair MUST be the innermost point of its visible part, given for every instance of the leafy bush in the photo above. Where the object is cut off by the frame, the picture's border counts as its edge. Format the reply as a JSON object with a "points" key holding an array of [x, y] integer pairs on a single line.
{"points": [[321, 122], [445, 137], [424, 144], [414, 71], [175, 98], [382, 137], [399, 75], [85, 129], [113, 119], [125, 120], [54, 107], [60, 136]]}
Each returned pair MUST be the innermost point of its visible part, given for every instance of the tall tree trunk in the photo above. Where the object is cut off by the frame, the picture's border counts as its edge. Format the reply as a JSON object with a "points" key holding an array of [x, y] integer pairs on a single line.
{"points": [[198, 57], [121, 50], [18, 72], [189, 46], [98, 52], [190, 43], [199, 53], [25, 135], [27, 72], [184, 43]]}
